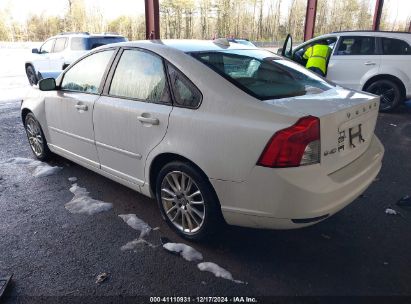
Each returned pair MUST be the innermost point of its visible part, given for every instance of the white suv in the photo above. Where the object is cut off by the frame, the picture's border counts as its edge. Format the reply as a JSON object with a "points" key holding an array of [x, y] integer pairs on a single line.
{"points": [[376, 62], [57, 52]]}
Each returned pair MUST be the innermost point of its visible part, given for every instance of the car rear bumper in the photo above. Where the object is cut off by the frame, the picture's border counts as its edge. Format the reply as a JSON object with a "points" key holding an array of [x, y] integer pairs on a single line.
{"points": [[296, 197]]}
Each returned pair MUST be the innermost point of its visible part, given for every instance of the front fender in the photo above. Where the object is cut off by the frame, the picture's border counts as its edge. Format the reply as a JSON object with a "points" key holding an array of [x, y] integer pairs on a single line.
{"points": [[35, 103]]}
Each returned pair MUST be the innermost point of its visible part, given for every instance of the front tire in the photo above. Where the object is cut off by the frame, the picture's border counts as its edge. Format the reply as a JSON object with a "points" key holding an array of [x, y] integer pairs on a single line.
{"points": [[31, 75], [37, 140], [187, 201], [389, 92]]}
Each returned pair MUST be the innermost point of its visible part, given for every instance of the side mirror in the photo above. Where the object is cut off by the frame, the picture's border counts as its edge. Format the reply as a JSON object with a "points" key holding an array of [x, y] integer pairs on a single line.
{"points": [[280, 51], [47, 84], [35, 51], [288, 47]]}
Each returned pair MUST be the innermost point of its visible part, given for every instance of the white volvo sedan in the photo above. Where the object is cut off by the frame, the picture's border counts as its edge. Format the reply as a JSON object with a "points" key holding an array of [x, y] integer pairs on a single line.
{"points": [[215, 131]]}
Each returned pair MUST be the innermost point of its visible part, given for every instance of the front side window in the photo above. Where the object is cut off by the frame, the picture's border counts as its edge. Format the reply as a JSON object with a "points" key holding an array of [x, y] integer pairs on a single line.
{"points": [[262, 75], [356, 46], [60, 45], [184, 91], [395, 47], [327, 41], [86, 75], [47, 46], [298, 54], [140, 75]]}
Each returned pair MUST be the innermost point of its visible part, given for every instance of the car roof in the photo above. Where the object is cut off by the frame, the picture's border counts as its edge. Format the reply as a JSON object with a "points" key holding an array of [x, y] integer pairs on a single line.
{"points": [[185, 45], [368, 32], [404, 35], [87, 35]]}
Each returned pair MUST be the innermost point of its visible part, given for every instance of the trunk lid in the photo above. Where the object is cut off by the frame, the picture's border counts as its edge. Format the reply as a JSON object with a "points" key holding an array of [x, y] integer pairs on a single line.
{"points": [[347, 120]]}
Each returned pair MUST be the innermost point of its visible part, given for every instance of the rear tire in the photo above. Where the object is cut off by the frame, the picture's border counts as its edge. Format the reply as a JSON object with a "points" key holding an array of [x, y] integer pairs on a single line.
{"points": [[187, 201], [31, 75], [37, 140], [389, 92]]}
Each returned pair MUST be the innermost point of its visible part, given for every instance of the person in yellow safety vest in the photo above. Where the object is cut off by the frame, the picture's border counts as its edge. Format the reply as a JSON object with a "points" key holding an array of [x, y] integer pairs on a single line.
{"points": [[317, 58]]}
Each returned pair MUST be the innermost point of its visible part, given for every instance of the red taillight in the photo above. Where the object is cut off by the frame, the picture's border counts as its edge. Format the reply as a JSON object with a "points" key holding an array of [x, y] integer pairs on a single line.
{"points": [[294, 146]]}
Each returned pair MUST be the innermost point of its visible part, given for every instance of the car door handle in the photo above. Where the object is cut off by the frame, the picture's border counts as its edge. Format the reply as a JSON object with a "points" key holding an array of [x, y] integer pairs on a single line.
{"points": [[145, 118], [81, 107], [370, 63]]}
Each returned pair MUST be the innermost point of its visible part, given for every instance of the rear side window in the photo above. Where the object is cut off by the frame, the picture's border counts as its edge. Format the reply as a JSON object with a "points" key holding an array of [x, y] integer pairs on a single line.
{"points": [[140, 75], [395, 47], [77, 44], [60, 45], [89, 43], [356, 46], [94, 42], [185, 92], [86, 75], [262, 75]]}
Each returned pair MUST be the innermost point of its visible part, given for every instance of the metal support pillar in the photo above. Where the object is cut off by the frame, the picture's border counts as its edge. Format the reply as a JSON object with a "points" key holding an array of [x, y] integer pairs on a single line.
{"points": [[377, 15], [152, 19], [310, 19]]}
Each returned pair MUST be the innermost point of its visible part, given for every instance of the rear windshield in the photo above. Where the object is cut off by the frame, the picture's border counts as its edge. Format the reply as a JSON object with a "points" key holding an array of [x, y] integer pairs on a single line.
{"points": [[89, 43], [262, 75]]}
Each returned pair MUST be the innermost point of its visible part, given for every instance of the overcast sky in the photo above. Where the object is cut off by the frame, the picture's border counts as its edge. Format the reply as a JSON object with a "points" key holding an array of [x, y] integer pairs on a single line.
{"points": [[21, 9]]}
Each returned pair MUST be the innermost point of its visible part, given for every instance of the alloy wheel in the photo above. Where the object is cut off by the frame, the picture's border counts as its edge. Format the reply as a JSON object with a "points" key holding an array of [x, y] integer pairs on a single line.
{"points": [[35, 137], [387, 94], [183, 202]]}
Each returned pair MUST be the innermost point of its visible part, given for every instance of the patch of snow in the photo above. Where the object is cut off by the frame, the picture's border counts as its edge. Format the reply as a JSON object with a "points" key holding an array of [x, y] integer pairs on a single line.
{"points": [[390, 211], [72, 179], [45, 170], [39, 169], [188, 253], [134, 244], [326, 236], [218, 271], [83, 203], [23, 161], [136, 223]]}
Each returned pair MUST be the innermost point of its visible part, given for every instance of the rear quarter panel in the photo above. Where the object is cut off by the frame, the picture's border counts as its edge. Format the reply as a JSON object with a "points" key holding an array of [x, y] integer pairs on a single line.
{"points": [[398, 66], [226, 135]]}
